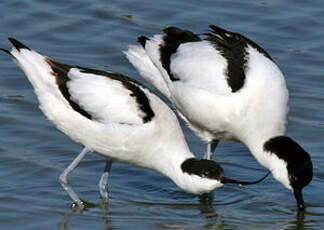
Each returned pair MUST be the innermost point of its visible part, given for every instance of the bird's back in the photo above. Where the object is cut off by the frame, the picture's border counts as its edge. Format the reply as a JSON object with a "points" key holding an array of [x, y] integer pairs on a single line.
{"points": [[109, 113], [220, 83]]}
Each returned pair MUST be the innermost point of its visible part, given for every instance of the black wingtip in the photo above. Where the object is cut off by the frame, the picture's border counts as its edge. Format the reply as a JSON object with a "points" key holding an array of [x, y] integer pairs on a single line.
{"points": [[213, 27], [171, 29], [142, 40], [219, 30], [5, 50], [179, 35], [17, 44]]}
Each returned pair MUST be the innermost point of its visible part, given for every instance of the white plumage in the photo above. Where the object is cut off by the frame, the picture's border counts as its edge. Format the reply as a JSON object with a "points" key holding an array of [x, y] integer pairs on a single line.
{"points": [[122, 109]]}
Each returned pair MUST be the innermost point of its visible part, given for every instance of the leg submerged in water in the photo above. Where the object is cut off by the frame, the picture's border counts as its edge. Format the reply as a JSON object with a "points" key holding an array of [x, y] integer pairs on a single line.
{"points": [[211, 146], [103, 183], [64, 178]]}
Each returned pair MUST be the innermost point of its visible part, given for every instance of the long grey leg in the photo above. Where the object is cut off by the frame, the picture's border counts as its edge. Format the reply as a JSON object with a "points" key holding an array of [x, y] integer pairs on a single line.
{"points": [[64, 178], [211, 146], [103, 183]]}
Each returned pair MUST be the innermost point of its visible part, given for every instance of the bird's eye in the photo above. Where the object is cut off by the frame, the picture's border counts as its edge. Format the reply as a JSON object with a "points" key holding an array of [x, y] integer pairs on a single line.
{"points": [[292, 178], [206, 173]]}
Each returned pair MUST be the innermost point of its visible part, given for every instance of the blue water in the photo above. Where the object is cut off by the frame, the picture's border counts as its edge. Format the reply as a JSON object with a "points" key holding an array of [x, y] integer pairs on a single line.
{"points": [[93, 34]]}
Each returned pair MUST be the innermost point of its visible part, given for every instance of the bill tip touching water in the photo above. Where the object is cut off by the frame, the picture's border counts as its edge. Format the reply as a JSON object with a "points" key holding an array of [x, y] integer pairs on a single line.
{"points": [[118, 118]]}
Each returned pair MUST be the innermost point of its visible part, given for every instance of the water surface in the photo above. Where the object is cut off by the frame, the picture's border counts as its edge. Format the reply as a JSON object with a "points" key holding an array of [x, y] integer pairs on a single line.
{"points": [[93, 34]]}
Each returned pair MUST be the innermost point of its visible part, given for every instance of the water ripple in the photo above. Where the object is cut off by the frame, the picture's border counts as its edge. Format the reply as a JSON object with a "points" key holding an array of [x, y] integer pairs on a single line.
{"points": [[33, 153]]}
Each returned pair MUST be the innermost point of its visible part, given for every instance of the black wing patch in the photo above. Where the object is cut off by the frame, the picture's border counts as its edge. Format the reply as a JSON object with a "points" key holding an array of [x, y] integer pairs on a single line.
{"points": [[60, 71], [172, 40], [141, 100], [219, 31], [233, 47]]}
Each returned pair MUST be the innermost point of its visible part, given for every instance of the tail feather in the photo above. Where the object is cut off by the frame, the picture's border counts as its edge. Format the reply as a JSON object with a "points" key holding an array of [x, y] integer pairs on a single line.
{"points": [[142, 40], [137, 56], [17, 44], [37, 70]]}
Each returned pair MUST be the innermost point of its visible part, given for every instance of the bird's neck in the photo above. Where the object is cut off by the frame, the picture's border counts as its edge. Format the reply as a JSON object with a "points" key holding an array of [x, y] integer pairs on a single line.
{"points": [[171, 167], [269, 160], [255, 136], [256, 147], [255, 144]]}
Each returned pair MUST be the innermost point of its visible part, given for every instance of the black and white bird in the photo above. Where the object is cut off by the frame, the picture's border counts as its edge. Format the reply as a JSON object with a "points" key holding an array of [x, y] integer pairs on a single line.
{"points": [[118, 118], [227, 87]]}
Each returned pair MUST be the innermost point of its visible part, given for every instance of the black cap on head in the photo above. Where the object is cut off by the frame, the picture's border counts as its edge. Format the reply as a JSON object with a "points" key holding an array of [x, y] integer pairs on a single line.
{"points": [[299, 164], [203, 168]]}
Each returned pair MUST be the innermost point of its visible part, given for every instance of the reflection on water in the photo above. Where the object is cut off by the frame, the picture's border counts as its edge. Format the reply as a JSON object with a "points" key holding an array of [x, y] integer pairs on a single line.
{"points": [[300, 220], [102, 212], [104, 216], [33, 153], [215, 221]]}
